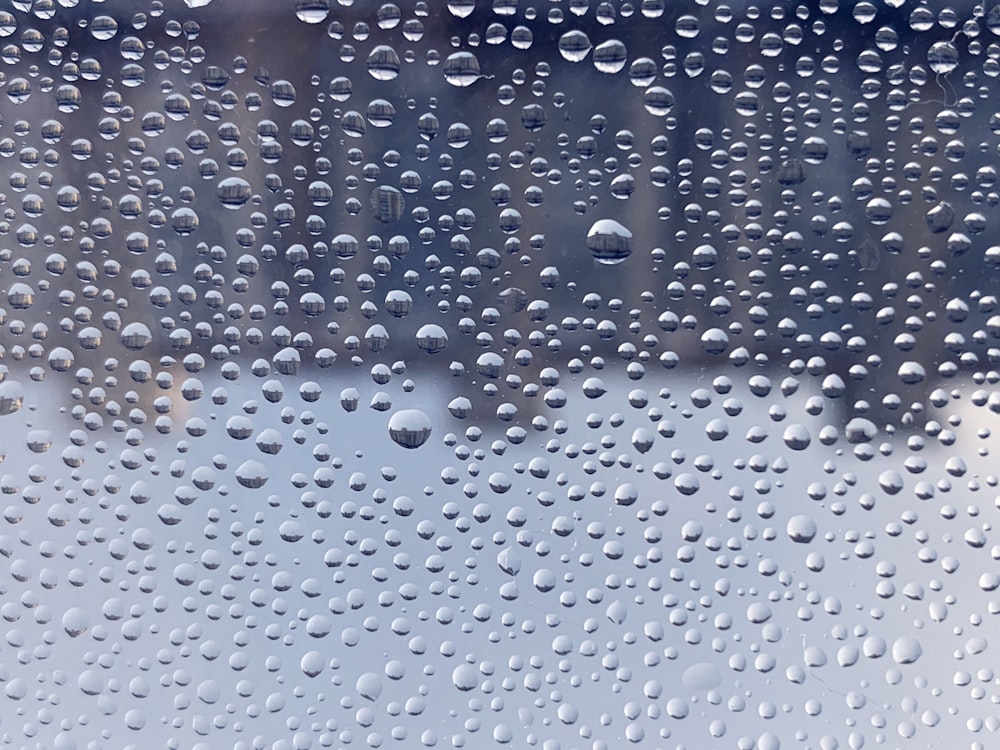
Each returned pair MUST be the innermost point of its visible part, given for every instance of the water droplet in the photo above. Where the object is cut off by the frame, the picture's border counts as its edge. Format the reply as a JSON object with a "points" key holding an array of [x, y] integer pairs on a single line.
{"points": [[11, 397], [797, 437], [252, 474], [891, 481], [594, 388], [626, 494], [906, 650], [940, 217], [611, 56], [860, 430], [801, 529], [409, 428], [383, 63], [369, 686], [942, 57], [75, 621], [609, 241], [234, 192], [617, 612], [677, 708], [911, 372], [464, 677], [643, 439], [136, 336], [432, 338], [461, 69], [312, 12], [574, 46], [269, 441]]}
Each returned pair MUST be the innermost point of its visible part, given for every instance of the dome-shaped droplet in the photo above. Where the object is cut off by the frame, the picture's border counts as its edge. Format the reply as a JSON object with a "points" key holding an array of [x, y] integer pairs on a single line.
{"points": [[11, 396], [136, 336], [610, 56], [574, 46], [312, 663], [252, 474], [269, 441], [369, 686], [461, 69], [431, 338], [626, 494], [398, 303], [801, 529], [797, 437], [234, 192], [594, 388], [643, 439], [942, 57], [383, 63], [460, 407], [312, 12], [410, 428], [75, 621], [464, 677], [609, 241], [906, 650]]}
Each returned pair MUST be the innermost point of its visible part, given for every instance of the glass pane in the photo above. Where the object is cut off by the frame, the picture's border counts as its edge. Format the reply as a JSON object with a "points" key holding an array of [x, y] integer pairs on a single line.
{"points": [[537, 374]]}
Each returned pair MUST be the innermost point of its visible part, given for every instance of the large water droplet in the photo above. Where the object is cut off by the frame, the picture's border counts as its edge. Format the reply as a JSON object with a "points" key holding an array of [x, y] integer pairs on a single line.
{"points": [[431, 338], [369, 686], [801, 529], [461, 69], [75, 621], [609, 241], [11, 396], [610, 56], [312, 11], [942, 57], [234, 192], [906, 650], [410, 428], [464, 677], [252, 474], [574, 45]]}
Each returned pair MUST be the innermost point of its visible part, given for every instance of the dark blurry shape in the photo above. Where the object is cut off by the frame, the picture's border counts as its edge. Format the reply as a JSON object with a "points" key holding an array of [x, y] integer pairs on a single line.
{"points": [[387, 204]]}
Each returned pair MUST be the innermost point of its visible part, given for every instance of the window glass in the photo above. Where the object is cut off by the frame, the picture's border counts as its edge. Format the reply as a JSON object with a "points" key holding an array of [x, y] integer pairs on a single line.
{"points": [[476, 373]]}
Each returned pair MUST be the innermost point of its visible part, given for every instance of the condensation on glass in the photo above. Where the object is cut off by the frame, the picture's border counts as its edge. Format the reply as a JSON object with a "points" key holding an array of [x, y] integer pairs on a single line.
{"points": [[566, 374]]}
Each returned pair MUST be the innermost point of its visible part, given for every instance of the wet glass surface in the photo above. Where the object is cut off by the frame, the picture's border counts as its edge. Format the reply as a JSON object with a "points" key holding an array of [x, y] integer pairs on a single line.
{"points": [[470, 374]]}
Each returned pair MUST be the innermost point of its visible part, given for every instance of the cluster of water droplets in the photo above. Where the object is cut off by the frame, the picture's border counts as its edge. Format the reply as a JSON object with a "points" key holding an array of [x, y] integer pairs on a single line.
{"points": [[570, 374]]}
